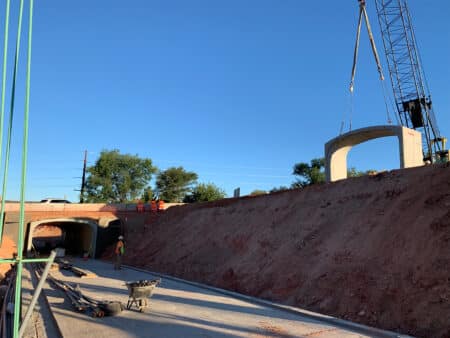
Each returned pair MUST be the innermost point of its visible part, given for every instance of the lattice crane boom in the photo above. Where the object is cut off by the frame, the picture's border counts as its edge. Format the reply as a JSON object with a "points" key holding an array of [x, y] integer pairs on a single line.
{"points": [[411, 93]]}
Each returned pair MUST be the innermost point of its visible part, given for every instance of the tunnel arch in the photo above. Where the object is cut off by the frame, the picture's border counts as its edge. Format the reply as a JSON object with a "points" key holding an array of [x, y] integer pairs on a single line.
{"points": [[109, 228], [337, 149], [88, 245]]}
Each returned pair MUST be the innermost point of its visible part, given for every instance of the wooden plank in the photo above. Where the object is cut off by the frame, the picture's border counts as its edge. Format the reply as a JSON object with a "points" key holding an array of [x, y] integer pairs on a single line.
{"points": [[83, 273]]}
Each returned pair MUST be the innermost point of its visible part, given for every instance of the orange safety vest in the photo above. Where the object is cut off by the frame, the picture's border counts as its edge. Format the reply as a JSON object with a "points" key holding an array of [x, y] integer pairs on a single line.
{"points": [[161, 205], [118, 246], [154, 206]]}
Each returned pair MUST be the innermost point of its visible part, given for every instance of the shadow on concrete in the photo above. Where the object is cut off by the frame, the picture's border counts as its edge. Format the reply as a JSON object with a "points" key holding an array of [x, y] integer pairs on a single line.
{"points": [[156, 326], [99, 291], [103, 292]]}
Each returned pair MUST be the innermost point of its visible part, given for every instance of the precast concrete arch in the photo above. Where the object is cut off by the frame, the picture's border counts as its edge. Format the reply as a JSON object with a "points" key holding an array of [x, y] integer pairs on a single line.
{"points": [[88, 240], [337, 149]]}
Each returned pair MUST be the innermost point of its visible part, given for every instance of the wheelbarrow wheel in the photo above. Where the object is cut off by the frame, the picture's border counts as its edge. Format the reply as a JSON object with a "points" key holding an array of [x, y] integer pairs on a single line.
{"points": [[111, 308]]}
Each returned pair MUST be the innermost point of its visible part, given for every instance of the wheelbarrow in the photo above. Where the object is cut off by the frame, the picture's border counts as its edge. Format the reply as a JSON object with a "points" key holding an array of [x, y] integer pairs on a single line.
{"points": [[140, 291]]}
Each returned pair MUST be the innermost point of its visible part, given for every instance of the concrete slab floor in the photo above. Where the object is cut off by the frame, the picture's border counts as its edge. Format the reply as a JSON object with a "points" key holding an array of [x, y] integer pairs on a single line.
{"points": [[176, 310]]}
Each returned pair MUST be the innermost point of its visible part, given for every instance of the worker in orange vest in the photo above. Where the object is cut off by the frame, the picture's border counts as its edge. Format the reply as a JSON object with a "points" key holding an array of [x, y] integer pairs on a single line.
{"points": [[153, 206], [140, 206], [160, 205], [119, 251]]}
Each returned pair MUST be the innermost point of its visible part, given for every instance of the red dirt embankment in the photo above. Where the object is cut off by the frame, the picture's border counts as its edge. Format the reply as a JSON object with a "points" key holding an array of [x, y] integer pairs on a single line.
{"points": [[47, 230], [374, 249], [7, 250]]}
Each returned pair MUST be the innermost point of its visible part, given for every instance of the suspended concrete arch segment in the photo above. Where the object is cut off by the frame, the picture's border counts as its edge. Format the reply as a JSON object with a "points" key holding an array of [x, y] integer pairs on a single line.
{"points": [[89, 240], [336, 150]]}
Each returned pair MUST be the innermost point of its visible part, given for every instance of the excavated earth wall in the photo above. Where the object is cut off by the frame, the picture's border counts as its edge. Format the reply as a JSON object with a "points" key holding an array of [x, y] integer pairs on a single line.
{"points": [[374, 249]]}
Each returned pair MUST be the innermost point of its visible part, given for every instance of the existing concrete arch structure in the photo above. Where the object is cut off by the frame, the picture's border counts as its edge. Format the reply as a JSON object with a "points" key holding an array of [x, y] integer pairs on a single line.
{"points": [[336, 150], [89, 240]]}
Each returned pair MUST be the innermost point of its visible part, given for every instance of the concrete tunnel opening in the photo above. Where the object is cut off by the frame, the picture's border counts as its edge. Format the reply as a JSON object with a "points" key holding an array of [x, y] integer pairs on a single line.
{"points": [[75, 236], [378, 154]]}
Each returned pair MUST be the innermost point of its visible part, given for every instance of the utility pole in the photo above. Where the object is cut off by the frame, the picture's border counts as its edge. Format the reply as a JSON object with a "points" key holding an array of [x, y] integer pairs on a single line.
{"points": [[83, 178]]}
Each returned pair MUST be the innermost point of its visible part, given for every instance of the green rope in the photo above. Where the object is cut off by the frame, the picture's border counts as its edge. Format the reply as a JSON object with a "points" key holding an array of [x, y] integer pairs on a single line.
{"points": [[17, 302], [2, 108]]}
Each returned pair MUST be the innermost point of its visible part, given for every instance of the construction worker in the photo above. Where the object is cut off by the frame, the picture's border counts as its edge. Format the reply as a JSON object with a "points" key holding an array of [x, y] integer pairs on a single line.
{"points": [[140, 206], [160, 205], [153, 206], [119, 251]]}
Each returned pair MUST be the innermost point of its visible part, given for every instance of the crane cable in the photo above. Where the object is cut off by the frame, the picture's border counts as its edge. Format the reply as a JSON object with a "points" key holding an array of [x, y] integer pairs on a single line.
{"points": [[385, 96], [350, 109], [352, 81], [355, 52], [377, 59], [363, 13]]}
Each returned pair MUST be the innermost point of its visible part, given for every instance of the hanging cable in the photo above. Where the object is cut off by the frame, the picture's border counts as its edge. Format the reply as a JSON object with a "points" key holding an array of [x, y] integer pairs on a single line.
{"points": [[377, 59], [363, 13], [394, 109], [372, 40], [355, 52], [348, 112], [351, 112], [388, 115], [355, 61]]}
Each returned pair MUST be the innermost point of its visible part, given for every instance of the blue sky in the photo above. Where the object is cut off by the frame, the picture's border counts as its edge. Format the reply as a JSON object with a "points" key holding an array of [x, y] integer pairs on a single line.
{"points": [[237, 91]]}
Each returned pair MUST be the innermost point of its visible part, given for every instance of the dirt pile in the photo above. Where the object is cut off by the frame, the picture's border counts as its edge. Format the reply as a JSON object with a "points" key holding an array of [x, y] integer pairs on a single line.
{"points": [[47, 230], [8, 249], [375, 249]]}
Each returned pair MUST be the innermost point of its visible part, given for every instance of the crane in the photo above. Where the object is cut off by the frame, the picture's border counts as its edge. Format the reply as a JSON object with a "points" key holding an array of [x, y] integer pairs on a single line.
{"points": [[410, 89]]}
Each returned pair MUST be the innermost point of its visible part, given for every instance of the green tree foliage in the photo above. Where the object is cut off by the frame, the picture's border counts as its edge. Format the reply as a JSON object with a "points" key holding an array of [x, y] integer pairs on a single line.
{"points": [[173, 184], [205, 192], [352, 172], [280, 188], [117, 178], [258, 192], [148, 195], [308, 174]]}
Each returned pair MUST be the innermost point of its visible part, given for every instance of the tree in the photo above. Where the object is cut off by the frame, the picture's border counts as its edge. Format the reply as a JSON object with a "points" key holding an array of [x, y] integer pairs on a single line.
{"points": [[148, 195], [117, 178], [205, 193], [352, 172], [174, 183], [309, 173], [280, 188], [258, 192]]}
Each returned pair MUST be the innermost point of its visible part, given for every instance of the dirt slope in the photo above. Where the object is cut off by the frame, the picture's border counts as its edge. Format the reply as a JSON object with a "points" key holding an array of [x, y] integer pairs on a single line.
{"points": [[8, 249], [374, 249]]}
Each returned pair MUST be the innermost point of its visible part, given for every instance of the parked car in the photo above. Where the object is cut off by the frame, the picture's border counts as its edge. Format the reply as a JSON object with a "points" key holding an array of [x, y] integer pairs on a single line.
{"points": [[54, 200]]}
